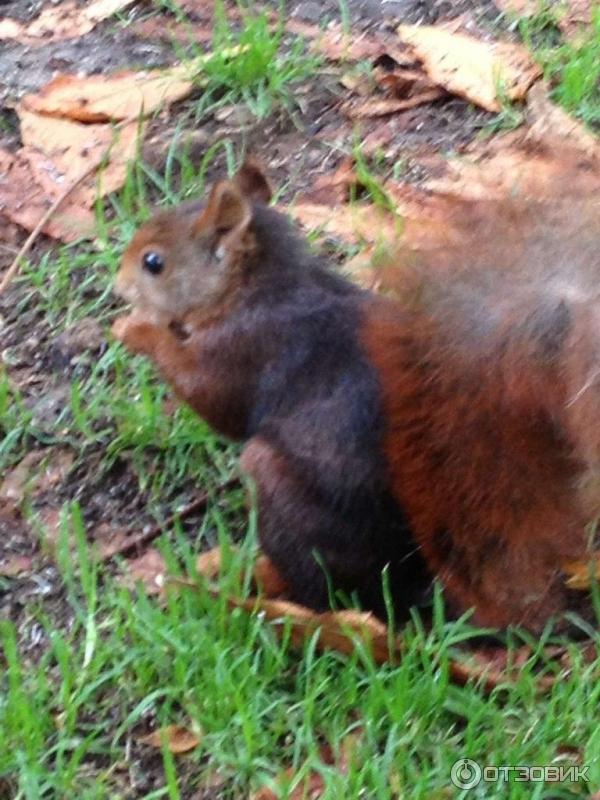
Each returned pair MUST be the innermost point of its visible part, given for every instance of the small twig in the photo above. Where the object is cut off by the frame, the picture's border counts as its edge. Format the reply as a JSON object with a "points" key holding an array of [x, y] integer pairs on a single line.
{"points": [[49, 213], [27, 244], [134, 541]]}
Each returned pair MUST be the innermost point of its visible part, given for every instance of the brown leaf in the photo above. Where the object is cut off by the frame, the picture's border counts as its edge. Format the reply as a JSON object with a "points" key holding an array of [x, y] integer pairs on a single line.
{"points": [[339, 630], [400, 83], [15, 565], [470, 68], [385, 106], [313, 785], [177, 739], [67, 20], [106, 98], [158, 28], [208, 564], [69, 223], [337, 45], [333, 187], [149, 570], [50, 519], [60, 150]]}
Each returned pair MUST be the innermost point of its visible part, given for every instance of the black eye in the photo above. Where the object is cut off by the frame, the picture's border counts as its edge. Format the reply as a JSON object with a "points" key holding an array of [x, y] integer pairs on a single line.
{"points": [[153, 262]]}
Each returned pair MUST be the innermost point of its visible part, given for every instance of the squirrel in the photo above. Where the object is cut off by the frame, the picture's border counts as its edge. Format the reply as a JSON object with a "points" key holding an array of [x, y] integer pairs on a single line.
{"points": [[448, 432]]}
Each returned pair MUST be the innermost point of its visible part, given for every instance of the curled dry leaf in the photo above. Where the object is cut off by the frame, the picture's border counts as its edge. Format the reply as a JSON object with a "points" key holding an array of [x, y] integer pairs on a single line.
{"points": [[338, 45], [59, 150], [106, 98], [177, 738], [72, 221], [338, 630], [67, 20], [382, 107], [470, 68], [208, 564]]}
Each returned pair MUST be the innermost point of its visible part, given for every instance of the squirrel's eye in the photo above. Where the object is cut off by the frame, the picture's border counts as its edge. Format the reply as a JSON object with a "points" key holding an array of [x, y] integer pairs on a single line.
{"points": [[153, 262]]}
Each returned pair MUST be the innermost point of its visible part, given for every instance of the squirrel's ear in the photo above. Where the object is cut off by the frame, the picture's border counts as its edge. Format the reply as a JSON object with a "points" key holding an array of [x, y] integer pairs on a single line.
{"points": [[227, 210], [253, 183]]}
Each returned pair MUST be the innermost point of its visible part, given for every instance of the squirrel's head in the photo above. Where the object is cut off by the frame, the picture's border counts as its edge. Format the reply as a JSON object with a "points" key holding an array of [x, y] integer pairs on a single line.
{"points": [[193, 256]]}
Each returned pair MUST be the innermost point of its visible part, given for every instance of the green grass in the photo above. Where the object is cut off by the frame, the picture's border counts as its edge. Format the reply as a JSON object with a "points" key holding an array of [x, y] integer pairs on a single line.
{"points": [[68, 722], [115, 662], [69, 719], [572, 66], [268, 67]]}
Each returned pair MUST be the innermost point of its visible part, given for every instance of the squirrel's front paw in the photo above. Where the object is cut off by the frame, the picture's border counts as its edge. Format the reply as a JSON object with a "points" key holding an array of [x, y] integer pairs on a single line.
{"points": [[136, 333]]}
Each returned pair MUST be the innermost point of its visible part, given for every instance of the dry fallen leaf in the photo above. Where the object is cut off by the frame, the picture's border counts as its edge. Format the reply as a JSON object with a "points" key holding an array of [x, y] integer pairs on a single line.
{"points": [[149, 570], [69, 223], [15, 565], [381, 107], [110, 98], [67, 20], [470, 68], [177, 739], [208, 564], [338, 630], [337, 45], [60, 150]]}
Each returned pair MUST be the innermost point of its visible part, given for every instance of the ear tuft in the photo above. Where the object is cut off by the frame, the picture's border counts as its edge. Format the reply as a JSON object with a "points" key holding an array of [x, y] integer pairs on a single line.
{"points": [[226, 210], [252, 182]]}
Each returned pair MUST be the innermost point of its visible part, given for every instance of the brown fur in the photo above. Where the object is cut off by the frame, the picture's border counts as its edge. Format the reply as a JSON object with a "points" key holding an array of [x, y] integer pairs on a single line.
{"points": [[452, 432]]}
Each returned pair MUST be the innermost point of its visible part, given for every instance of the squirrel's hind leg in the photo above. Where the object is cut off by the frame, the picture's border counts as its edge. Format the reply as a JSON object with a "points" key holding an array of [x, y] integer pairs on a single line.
{"points": [[320, 546]]}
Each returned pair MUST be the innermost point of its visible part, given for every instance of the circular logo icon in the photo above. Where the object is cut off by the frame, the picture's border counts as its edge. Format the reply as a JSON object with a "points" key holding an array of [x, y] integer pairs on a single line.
{"points": [[465, 773]]}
